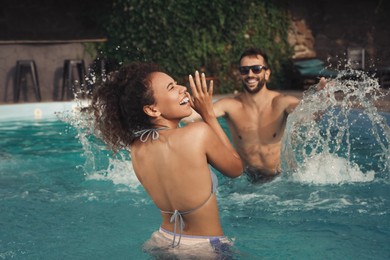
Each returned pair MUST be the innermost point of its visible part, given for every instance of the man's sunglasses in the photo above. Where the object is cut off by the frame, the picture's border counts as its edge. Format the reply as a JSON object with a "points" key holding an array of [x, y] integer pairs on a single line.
{"points": [[244, 70]]}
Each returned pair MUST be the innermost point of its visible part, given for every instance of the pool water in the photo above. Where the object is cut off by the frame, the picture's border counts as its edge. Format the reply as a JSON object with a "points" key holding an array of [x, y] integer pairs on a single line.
{"points": [[63, 196]]}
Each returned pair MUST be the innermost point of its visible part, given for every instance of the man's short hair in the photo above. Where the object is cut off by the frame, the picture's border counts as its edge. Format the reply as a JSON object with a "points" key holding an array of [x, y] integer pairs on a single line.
{"points": [[252, 51]]}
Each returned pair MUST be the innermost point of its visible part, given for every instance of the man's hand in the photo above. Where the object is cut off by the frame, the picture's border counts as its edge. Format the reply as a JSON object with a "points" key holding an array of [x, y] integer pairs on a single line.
{"points": [[322, 84]]}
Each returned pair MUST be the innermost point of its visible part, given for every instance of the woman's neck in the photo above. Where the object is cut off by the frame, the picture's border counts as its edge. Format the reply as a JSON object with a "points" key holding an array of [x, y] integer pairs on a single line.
{"points": [[167, 123]]}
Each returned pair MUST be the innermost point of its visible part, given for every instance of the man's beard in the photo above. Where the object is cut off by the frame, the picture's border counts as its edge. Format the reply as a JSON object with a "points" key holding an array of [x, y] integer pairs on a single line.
{"points": [[257, 88]]}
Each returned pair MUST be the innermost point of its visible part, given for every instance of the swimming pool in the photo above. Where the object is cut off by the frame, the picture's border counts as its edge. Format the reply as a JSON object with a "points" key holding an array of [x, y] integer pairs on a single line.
{"points": [[62, 196]]}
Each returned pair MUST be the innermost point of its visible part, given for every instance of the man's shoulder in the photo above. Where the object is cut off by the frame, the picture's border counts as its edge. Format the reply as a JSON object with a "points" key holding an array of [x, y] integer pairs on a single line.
{"points": [[229, 99], [228, 102], [281, 95], [225, 105], [284, 100], [275, 93]]}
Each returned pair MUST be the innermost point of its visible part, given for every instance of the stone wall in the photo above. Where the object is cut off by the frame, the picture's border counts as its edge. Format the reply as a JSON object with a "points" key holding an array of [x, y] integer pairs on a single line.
{"points": [[300, 37]]}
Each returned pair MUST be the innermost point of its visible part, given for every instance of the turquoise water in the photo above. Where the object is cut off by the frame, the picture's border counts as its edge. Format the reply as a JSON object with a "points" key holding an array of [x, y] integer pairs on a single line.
{"points": [[62, 196]]}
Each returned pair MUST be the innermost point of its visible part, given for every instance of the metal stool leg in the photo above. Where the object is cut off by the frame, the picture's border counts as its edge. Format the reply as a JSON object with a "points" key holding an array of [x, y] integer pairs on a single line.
{"points": [[35, 80], [34, 76], [66, 79], [63, 81], [17, 82], [81, 76], [23, 81], [68, 83]]}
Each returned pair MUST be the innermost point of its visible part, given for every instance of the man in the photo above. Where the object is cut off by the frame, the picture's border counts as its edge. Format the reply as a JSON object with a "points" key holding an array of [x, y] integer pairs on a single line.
{"points": [[257, 117]]}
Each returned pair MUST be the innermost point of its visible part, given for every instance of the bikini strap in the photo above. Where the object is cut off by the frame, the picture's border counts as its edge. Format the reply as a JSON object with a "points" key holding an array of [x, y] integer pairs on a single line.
{"points": [[146, 133], [177, 219], [177, 216]]}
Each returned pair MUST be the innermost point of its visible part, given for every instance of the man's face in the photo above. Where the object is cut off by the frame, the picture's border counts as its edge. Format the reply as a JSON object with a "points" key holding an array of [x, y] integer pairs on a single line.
{"points": [[256, 77]]}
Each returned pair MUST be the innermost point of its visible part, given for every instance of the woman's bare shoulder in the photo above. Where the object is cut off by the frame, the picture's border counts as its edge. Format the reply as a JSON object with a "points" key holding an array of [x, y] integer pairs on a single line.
{"points": [[197, 127], [197, 131]]}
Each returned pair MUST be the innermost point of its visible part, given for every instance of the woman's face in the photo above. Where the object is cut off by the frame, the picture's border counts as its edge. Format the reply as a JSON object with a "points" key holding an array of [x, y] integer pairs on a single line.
{"points": [[171, 98]]}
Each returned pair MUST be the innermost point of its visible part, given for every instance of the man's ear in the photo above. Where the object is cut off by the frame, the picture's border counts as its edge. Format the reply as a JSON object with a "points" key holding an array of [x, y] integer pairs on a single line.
{"points": [[267, 74], [151, 111]]}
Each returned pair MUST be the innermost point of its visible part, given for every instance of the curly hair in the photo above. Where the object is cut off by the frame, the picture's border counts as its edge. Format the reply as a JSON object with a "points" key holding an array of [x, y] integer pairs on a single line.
{"points": [[118, 104]]}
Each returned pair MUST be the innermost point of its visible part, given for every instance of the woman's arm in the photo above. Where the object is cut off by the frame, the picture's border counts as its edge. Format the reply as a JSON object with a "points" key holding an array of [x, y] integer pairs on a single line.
{"points": [[201, 102]]}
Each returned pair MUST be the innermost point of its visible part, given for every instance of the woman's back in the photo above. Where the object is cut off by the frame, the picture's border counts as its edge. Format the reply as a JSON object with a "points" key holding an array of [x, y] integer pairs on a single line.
{"points": [[174, 171]]}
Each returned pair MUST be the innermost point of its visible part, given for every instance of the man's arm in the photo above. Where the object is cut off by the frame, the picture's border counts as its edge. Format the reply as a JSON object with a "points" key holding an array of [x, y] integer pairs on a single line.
{"points": [[218, 107], [292, 102], [192, 118]]}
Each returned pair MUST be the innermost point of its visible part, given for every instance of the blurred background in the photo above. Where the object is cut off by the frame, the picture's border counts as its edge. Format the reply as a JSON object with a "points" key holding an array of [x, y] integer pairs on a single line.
{"points": [[185, 35]]}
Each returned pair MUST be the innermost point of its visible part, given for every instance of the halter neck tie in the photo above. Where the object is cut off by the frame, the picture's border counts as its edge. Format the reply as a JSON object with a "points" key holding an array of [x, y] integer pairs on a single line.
{"points": [[146, 133]]}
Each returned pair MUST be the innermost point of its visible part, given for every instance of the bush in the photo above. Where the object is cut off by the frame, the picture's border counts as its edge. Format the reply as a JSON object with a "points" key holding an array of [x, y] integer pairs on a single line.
{"points": [[186, 35]]}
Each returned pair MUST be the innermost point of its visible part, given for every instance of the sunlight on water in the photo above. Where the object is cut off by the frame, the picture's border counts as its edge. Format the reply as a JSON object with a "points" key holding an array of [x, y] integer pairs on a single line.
{"points": [[337, 135]]}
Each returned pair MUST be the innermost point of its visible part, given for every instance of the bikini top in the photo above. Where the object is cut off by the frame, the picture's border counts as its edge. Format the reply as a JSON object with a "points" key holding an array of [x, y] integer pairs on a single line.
{"points": [[146, 133], [177, 216]]}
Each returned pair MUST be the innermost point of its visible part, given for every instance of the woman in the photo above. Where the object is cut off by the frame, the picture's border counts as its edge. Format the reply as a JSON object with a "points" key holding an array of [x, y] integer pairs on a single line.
{"points": [[139, 109]]}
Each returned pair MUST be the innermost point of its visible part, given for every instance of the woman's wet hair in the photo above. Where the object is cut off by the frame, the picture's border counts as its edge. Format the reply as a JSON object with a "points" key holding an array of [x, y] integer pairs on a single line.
{"points": [[118, 104]]}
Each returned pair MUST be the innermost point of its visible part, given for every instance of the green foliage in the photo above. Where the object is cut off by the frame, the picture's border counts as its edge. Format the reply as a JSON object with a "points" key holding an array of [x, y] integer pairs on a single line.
{"points": [[186, 35]]}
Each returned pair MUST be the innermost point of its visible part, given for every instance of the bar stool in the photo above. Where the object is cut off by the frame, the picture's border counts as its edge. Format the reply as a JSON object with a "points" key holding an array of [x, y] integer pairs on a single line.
{"points": [[68, 81], [24, 67]]}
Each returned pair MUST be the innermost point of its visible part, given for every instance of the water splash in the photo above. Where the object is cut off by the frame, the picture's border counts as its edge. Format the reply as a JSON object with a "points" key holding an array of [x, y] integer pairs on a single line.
{"points": [[337, 135], [119, 171], [331, 169], [100, 163]]}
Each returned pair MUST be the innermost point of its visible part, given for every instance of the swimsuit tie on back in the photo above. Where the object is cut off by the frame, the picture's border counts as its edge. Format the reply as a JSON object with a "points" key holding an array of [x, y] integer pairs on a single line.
{"points": [[174, 218], [177, 216]]}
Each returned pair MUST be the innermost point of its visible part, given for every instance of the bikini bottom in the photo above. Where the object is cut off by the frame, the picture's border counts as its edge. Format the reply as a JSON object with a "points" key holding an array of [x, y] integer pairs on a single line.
{"points": [[192, 247]]}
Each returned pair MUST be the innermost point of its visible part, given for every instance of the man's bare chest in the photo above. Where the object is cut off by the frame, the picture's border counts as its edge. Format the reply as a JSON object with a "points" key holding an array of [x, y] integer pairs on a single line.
{"points": [[257, 126]]}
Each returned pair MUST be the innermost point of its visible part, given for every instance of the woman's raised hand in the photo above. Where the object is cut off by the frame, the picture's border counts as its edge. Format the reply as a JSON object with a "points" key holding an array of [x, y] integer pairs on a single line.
{"points": [[201, 100]]}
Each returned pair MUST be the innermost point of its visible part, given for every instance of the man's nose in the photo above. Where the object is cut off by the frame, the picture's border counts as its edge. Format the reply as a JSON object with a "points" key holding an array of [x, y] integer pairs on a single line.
{"points": [[250, 73]]}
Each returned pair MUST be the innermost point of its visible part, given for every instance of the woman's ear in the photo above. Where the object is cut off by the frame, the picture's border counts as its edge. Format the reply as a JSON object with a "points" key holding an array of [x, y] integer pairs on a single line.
{"points": [[151, 111]]}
